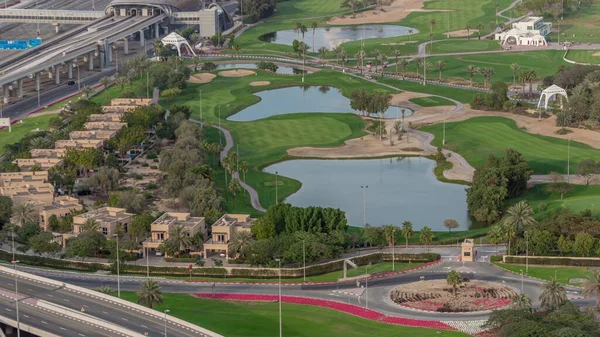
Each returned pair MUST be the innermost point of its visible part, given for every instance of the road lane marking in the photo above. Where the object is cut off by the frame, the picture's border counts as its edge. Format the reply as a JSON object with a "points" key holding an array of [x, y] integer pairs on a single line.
{"points": [[125, 319], [143, 326], [26, 316], [81, 335], [44, 322], [104, 312], [62, 328], [7, 309], [66, 300], [50, 295]]}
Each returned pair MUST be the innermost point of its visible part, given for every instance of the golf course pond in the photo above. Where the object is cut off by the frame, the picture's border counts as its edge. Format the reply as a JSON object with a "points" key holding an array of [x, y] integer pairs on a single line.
{"points": [[280, 69], [399, 189], [335, 35], [303, 99]]}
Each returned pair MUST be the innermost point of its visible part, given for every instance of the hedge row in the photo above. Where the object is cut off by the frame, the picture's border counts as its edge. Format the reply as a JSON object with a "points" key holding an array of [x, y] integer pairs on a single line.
{"points": [[181, 259], [561, 261], [54, 263]]}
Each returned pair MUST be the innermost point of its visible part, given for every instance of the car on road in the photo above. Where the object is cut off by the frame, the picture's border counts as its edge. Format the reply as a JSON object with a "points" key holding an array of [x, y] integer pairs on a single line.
{"points": [[70, 82]]}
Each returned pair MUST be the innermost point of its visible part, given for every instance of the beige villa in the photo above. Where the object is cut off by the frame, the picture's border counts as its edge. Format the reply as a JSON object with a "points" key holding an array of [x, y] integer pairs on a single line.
{"points": [[161, 227], [222, 231], [60, 207], [108, 219], [42, 194], [26, 178]]}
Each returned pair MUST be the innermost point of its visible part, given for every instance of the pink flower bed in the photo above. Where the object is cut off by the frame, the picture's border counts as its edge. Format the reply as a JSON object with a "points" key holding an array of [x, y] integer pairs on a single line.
{"points": [[423, 305], [343, 307], [492, 303]]}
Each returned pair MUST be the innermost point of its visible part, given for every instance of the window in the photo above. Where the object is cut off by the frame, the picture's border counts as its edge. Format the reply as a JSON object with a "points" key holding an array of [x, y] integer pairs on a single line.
{"points": [[467, 253], [125, 228], [161, 236], [104, 230]]}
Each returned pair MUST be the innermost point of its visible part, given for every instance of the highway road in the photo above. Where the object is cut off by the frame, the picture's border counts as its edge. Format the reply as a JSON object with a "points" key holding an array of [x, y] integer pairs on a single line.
{"points": [[110, 312]]}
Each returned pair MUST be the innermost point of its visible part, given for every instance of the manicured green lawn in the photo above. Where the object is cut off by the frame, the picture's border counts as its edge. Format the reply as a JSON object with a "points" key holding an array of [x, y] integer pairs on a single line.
{"points": [[584, 56], [260, 319], [582, 197], [453, 46], [298, 9], [459, 94], [431, 101], [329, 277], [19, 130], [441, 237], [581, 26], [563, 274], [478, 137]]}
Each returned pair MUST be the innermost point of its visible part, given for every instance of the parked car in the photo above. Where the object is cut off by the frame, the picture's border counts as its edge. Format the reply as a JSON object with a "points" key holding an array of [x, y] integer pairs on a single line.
{"points": [[70, 82]]}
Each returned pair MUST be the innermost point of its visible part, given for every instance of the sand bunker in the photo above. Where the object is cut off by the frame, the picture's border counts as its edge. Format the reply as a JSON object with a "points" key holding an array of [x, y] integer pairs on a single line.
{"points": [[259, 83], [596, 53], [201, 78], [462, 32], [236, 73], [396, 11]]}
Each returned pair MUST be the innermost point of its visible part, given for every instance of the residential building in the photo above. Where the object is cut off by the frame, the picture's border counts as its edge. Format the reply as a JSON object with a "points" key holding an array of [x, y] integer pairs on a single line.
{"points": [[222, 231], [42, 194], [120, 109], [104, 125], [531, 31], [60, 207], [93, 134], [48, 153], [42, 163], [161, 228], [16, 179], [108, 219], [79, 143], [106, 117], [131, 101]]}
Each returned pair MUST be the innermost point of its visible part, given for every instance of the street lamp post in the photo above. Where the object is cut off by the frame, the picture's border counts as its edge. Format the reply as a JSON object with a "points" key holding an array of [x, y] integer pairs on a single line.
{"points": [[280, 319], [78, 78], [118, 266], [364, 188], [14, 262], [393, 250], [526, 252], [304, 257], [276, 192], [116, 57], [522, 277], [147, 264], [166, 312]]}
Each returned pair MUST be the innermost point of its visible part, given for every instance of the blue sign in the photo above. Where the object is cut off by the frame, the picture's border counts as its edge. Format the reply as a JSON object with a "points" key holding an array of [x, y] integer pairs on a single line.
{"points": [[19, 44], [35, 42]]}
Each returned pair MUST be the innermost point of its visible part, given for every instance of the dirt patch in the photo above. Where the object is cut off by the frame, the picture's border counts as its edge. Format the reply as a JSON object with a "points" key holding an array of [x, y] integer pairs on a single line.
{"points": [[462, 32], [596, 53], [259, 83], [236, 73], [44, 113], [394, 12], [397, 99], [201, 78]]}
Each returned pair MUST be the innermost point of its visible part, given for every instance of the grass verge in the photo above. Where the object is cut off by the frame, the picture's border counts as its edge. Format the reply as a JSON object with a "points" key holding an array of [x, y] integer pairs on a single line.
{"points": [[563, 274]]}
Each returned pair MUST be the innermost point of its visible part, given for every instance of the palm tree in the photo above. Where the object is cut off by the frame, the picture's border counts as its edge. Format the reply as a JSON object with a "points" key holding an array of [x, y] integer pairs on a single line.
{"points": [[523, 74], [23, 213], [531, 76], [314, 26], [336, 50], [396, 53], [106, 290], [479, 29], [196, 60], [403, 65], [440, 64], [158, 46], [454, 280], [90, 225], [323, 52], [244, 169], [520, 215], [343, 56], [510, 233], [376, 54], [360, 56], [388, 233], [431, 24], [87, 91], [339, 52], [298, 28], [237, 49], [239, 241], [180, 236], [468, 28], [105, 81], [553, 295], [407, 231], [496, 235], [472, 70], [487, 75], [303, 30], [382, 59], [41, 143], [234, 187], [521, 302], [121, 81], [514, 67], [418, 63], [591, 286], [149, 294], [426, 236]]}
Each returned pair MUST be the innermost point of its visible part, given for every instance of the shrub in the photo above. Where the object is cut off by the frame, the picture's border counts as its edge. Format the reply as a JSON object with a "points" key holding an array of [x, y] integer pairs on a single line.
{"points": [[151, 186], [218, 263], [543, 207], [208, 66], [148, 196], [562, 131], [145, 164], [477, 101], [152, 155], [180, 259], [269, 66], [564, 261], [201, 263], [154, 167]]}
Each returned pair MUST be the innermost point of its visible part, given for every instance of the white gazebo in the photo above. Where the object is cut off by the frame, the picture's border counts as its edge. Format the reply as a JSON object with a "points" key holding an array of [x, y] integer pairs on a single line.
{"points": [[550, 92], [178, 41]]}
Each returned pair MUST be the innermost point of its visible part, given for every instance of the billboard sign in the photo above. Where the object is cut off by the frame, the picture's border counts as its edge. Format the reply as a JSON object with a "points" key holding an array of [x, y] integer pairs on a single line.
{"points": [[19, 44]]}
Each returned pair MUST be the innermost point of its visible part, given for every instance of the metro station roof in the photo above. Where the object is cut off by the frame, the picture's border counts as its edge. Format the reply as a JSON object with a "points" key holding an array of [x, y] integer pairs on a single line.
{"points": [[177, 5]]}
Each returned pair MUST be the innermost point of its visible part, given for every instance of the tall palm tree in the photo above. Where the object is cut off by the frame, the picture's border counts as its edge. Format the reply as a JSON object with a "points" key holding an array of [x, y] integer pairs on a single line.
{"points": [[496, 235], [237, 49], [510, 233], [431, 25], [336, 50], [382, 58], [472, 70], [376, 54], [553, 295], [234, 187], [303, 30], [468, 28], [90, 225], [298, 27], [403, 65], [244, 169], [407, 231], [343, 57], [323, 52], [149, 294], [514, 67], [23, 213], [314, 26], [396, 53], [487, 75], [196, 60], [340, 51], [105, 81], [121, 81], [239, 241], [523, 75], [591, 286], [479, 29], [426, 236], [440, 64], [520, 215], [180, 236], [531, 76], [388, 233], [521, 302], [87, 91], [360, 57], [158, 46], [418, 63], [454, 280]]}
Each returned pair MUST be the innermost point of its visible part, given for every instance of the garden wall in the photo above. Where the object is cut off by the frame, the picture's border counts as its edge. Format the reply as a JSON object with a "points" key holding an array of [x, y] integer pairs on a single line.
{"points": [[553, 260]]}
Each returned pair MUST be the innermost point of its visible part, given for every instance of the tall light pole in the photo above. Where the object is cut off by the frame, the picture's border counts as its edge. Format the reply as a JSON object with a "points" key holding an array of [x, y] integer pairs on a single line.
{"points": [[444, 136], [364, 188], [166, 312], [393, 249], [522, 277], [14, 262], [114, 47], [118, 266], [304, 257], [276, 187], [147, 264], [526, 252], [78, 78], [280, 319]]}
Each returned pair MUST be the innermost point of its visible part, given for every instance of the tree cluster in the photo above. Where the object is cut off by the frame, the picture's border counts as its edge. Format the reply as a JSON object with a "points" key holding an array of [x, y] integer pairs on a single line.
{"points": [[369, 103], [255, 10], [170, 75], [270, 66], [497, 180], [583, 106]]}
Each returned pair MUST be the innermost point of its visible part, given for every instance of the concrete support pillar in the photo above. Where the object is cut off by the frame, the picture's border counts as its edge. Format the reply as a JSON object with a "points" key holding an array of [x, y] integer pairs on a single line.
{"points": [[91, 61], [101, 56], [70, 64], [5, 87], [142, 39], [20, 88], [56, 27], [38, 81], [57, 75], [156, 31], [126, 46], [108, 51], [49, 73]]}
